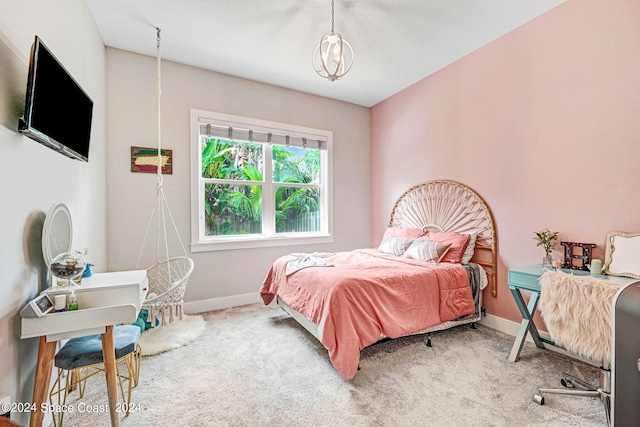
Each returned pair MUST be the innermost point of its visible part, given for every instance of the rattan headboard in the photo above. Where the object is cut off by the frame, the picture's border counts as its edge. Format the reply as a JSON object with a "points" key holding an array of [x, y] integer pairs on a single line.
{"points": [[442, 205]]}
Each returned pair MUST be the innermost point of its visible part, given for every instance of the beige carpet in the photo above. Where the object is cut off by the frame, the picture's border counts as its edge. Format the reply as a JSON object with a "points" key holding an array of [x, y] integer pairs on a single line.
{"points": [[254, 366]]}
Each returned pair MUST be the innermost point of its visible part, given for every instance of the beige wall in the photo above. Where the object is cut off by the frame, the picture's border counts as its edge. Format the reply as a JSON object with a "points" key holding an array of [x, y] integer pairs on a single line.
{"points": [[131, 118], [35, 177], [542, 123]]}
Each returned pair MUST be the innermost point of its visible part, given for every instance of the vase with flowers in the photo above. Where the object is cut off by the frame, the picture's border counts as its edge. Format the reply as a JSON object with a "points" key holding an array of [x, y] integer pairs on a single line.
{"points": [[547, 239]]}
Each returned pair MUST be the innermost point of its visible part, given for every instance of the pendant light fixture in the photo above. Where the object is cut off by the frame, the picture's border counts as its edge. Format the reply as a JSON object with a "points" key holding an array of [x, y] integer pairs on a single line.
{"points": [[333, 56]]}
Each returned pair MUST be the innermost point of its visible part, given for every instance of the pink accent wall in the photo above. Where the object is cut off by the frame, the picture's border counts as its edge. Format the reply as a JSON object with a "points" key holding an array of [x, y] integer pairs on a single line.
{"points": [[544, 123]]}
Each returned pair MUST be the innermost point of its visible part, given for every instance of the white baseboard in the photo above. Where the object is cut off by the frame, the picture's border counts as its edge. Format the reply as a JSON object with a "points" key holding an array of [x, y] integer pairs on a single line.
{"points": [[511, 328], [202, 306], [500, 324], [507, 326]]}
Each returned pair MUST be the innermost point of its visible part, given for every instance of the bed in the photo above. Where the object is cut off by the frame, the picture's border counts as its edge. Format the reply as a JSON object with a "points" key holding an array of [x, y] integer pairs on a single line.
{"points": [[437, 255]]}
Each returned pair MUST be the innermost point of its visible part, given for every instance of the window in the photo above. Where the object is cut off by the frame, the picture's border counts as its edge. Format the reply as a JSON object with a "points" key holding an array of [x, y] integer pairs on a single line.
{"points": [[258, 183]]}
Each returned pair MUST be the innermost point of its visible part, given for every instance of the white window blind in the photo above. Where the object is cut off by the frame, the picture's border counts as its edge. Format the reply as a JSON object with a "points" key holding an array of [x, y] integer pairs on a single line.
{"points": [[240, 132]]}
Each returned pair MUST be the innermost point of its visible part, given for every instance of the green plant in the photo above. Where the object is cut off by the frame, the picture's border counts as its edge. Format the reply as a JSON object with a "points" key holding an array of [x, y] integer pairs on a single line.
{"points": [[547, 239]]}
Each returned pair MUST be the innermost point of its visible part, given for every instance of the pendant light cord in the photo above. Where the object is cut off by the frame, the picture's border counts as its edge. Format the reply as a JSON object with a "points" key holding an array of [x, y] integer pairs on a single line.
{"points": [[332, 18]]}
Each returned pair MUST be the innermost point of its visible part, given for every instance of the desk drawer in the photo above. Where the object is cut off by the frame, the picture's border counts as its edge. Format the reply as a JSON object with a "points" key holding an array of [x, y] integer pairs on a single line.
{"points": [[525, 281]]}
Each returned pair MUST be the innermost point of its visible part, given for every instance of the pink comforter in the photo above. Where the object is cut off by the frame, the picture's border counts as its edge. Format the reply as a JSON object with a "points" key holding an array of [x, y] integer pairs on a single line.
{"points": [[366, 294]]}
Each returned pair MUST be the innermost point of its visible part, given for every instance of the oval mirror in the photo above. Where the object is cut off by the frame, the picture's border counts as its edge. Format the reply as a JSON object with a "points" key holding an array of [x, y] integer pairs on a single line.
{"points": [[57, 233]]}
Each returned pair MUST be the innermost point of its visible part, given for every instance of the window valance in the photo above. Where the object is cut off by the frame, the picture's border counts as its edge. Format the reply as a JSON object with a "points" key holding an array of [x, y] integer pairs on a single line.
{"points": [[239, 132]]}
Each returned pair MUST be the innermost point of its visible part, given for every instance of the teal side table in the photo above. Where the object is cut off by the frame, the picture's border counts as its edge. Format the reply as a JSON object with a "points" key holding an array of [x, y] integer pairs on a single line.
{"points": [[526, 278]]}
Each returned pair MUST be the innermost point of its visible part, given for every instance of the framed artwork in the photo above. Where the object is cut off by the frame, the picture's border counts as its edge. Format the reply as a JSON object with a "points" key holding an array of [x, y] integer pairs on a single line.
{"points": [[145, 160]]}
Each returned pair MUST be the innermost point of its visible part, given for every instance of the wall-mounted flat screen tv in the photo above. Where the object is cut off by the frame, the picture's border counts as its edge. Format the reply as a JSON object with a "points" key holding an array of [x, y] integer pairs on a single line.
{"points": [[57, 111]]}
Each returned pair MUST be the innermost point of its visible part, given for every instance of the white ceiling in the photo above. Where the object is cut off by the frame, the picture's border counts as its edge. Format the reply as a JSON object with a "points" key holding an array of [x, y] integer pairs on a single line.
{"points": [[396, 42]]}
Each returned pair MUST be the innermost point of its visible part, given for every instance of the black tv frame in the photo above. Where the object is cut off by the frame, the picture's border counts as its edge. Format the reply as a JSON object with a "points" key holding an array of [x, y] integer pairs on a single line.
{"points": [[24, 124]]}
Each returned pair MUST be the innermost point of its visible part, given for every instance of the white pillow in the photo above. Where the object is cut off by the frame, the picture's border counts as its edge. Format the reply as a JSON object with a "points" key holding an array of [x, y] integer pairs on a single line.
{"points": [[468, 253], [395, 245], [427, 251]]}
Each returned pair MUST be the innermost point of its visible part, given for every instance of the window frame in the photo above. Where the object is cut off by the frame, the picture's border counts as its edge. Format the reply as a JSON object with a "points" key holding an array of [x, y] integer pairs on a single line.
{"points": [[269, 238]]}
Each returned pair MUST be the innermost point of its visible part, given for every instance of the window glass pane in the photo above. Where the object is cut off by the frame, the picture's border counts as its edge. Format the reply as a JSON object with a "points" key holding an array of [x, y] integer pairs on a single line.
{"points": [[236, 160], [232, 209], [297, 209], [293, 164]]}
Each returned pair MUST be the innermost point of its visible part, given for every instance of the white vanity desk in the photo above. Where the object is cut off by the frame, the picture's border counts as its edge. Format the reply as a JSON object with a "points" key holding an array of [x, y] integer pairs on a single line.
{"points": [[105, 300]]}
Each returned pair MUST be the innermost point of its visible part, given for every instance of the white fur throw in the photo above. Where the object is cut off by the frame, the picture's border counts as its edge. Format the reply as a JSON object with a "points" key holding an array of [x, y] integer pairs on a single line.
{"points": [[577, 312]]}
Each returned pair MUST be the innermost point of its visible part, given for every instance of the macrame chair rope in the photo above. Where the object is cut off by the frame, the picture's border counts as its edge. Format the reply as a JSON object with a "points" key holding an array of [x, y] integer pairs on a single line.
{"points": [[168, 278]]}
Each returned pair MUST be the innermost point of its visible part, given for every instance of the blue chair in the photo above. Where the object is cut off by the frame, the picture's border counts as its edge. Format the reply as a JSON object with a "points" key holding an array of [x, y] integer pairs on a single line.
{"points": [[81, 358]]}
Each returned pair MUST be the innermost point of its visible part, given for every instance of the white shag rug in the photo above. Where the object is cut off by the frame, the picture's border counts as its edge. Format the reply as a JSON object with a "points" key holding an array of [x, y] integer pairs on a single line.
{"points": [[164, 338]]}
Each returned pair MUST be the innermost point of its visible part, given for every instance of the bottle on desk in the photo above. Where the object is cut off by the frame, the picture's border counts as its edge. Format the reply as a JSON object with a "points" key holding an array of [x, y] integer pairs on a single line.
{"points": [[72, 302], [60, 303]]}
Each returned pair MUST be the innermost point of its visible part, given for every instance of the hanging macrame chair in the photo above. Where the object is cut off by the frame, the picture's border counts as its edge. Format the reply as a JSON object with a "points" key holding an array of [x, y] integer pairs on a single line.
{"points": [[168, 278]]}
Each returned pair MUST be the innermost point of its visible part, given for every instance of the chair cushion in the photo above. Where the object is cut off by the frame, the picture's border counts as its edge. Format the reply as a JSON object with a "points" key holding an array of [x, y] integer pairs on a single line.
{"points": [[85, 351]]}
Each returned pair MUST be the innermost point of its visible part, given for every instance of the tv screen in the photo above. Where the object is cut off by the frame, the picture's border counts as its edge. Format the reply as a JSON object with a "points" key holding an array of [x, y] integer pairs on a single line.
{"points": [[57, 111]]}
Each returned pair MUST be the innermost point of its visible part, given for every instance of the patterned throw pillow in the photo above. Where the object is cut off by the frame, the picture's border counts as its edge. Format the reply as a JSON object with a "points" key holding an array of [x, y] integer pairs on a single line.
{"points": [[471, 246], [395, 245], [427, 251]]}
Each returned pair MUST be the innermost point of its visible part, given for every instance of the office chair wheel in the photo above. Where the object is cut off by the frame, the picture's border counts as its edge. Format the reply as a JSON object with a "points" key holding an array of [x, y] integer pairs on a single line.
{"points": [[539, 399]]}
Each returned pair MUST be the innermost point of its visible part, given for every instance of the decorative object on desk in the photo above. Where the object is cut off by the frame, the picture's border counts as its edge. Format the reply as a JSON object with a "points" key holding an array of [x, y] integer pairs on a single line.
{"points": [[579, 260], [595, 267], [622, 255], [68, 266], [169, 337], [87, 271], [60, 302], [557, 264], [547, 239], [37, 307], [146, 160]]}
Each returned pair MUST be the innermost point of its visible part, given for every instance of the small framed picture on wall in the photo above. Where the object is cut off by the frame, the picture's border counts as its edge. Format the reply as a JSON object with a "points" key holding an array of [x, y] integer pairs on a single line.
{"points": [[145, 160]]}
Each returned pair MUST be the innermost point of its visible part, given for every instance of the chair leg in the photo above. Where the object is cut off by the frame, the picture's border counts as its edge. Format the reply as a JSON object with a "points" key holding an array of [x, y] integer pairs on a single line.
{"points": [[137, 358], [60, 393], [80, 379], [584, 389]]}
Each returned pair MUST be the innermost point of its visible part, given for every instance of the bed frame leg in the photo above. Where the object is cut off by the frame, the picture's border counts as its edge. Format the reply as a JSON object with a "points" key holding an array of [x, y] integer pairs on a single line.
{"points": [[428, 343], [473, 326], [358, 367]]}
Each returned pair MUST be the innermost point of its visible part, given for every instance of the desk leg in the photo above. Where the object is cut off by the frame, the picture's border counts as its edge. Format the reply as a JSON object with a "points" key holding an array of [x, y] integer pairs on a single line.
{"points": [[526, 325], [109, 358], [46, 352]]}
